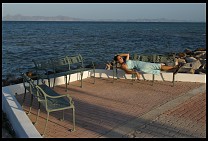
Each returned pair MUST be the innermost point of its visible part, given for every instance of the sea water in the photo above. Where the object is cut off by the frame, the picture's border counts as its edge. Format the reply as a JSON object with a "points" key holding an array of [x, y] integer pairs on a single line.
{"points": [[23, 41]]}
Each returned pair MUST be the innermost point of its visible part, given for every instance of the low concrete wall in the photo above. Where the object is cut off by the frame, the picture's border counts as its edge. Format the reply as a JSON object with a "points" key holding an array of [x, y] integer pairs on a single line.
{"points": [[167, 76], [22, 124]]}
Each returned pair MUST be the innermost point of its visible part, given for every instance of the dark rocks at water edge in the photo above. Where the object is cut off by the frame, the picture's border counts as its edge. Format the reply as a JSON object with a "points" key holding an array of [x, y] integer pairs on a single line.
{"points": [[194, 62]]}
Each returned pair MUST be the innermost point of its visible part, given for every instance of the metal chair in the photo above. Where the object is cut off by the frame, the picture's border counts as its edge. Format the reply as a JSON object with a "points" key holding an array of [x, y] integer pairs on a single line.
{"points": [[50, 100]]}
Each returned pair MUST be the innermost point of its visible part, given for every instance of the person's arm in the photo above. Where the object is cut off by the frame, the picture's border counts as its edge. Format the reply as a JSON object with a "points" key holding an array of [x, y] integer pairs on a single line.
{"points": [[125, 55], [130, 71]]}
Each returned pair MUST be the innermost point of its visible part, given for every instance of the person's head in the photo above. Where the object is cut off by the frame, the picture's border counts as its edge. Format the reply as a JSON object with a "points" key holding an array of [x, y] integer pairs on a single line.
{"points": [[118, 59]]}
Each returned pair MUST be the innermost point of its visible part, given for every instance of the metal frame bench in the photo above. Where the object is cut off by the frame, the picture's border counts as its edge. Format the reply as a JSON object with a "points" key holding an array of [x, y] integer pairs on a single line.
{"points": [[61, 66], [166, 59]]}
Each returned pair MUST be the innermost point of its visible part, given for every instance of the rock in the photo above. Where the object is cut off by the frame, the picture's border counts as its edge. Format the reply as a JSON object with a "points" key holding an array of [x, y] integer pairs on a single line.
{"points": [[181, 61], [204, 56], [200, 49], [190, 59], [199, 54], [188, 51], [186, 70], [203, 62], [181, 55], [194, 65]]}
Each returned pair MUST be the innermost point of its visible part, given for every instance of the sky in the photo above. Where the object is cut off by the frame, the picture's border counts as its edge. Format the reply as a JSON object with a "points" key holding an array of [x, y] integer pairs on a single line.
{"points": [[100, 11]]}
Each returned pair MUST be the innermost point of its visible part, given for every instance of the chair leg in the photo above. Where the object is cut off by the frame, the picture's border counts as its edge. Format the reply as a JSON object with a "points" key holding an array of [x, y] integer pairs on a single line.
{"points": [[49, 82], [46, 123], [66, 83], [31, 103], [37, 113], [62, 116], [73, 112], [54, 81], [23, 98]]}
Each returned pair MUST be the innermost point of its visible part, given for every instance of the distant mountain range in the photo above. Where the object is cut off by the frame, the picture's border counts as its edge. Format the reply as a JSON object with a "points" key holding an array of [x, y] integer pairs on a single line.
{"points": [[66, 18], [38, 18]]}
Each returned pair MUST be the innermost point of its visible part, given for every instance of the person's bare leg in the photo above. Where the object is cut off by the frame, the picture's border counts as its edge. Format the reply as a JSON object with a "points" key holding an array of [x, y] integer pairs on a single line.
{"points": [[166, 68]]}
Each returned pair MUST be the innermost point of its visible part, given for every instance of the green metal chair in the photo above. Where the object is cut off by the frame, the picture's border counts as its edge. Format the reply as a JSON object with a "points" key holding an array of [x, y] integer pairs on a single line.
{"points": [[51, 101], [44, 69], [77, 65]]}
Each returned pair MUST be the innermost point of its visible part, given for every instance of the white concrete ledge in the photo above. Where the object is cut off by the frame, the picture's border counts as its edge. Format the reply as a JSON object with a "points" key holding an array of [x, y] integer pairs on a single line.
{"points": [[22, 124], [167, 76]]}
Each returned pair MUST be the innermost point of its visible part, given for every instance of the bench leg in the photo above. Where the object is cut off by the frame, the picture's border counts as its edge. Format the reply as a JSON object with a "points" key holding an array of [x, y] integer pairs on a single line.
{"points": [[113, 74], [49, 82], [133, 76], [69, 79], [66, 83], [173, 80], [153, 78], [94, 74], [81, 78]]}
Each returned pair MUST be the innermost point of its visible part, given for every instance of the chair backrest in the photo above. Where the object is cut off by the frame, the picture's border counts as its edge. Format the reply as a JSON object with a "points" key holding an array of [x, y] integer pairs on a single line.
{"points": [[146, 58], [75, 60], [155, 58], [166, 59], [43, 64], [59, 61], [32, 86]]}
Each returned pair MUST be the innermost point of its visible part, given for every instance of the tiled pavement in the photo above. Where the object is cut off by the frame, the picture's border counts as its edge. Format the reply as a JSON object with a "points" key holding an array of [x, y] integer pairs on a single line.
{"points": [[120, 109]]}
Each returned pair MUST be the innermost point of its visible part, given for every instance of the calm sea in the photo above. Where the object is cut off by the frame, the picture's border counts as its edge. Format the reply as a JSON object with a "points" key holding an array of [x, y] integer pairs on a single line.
{"points": [[96, 41]]}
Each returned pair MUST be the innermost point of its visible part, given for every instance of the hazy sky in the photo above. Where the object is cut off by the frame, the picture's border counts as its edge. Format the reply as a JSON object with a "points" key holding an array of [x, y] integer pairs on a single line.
{"points": [[177, 11]]}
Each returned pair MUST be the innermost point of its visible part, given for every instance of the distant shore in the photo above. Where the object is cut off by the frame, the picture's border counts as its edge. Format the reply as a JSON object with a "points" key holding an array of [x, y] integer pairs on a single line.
{"points": [[19, 17]]}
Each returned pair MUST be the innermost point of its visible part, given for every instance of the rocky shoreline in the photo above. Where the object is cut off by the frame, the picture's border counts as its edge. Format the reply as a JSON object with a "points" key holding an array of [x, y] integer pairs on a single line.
{"points": [[194, 62]]}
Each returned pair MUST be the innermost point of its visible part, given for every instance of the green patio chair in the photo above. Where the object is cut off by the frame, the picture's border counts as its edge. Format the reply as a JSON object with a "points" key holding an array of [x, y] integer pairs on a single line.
{"points": [[27, 81], [77, 65], [51, 101]]}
